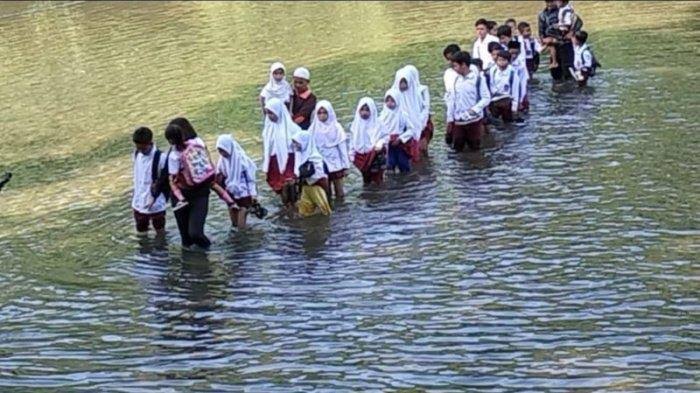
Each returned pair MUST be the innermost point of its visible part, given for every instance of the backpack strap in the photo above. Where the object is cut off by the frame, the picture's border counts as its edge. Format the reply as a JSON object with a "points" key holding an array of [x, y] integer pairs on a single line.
{"points": [[510, 80], [478, 87], [154, 166]]}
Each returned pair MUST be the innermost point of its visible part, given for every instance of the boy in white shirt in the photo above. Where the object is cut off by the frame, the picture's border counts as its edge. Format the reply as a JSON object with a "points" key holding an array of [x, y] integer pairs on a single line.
{"points": [[530, 46], [584, 61], [483, 38], [148, 209], [518, 64], [504, 84], [465, 115]]}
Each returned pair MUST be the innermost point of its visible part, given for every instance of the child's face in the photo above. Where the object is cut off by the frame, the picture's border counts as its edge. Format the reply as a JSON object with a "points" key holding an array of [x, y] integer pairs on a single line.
{"points": [[322, 114], [301, 84], [278, 74], [365, 112], [403, 85], [527, 32], [512, 26], [271, 115], [223, 153], [462, 69], [513, 53], [494, 31], [143, 148], [502, 63], [494, 54], [481, 31], [390, 103], [504, 39]]}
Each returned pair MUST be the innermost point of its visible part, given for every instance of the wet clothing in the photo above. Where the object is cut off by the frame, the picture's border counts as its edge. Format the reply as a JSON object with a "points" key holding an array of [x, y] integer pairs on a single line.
{"points": [[277, 180], [313, 199], [468, 134], [143, 220], [143, 181]]}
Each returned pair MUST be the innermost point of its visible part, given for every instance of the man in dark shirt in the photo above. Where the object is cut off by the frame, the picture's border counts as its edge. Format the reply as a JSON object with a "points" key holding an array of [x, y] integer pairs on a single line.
{"points": [[549, 33], [303, 100]]}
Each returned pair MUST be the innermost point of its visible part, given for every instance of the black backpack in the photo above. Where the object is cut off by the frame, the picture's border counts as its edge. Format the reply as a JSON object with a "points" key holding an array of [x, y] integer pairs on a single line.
{"points": [[161, 179], [594, 62]]}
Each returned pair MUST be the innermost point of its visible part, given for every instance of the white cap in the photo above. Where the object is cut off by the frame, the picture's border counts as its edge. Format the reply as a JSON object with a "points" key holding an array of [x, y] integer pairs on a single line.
{"points": [[303, 73]]}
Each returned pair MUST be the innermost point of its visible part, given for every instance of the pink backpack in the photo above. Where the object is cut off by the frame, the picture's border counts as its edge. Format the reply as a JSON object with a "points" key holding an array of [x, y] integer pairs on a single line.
{"points": [[197, 167]]}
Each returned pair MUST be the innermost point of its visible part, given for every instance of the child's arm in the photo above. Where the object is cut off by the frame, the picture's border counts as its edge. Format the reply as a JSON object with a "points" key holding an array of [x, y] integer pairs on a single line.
{"points": [[174, 188], [223, 194]]}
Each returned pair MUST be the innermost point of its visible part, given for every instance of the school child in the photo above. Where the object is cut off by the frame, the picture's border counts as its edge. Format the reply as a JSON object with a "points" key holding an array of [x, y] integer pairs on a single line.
{"points": [[450, 75], [464, 116], [505, 35], [148, 162], [312, 179], [235, 171], [191, 178], [510, 22], [568, 20], [519, 66], [276, 87], [483, 38], [492, 27], [504, 85], [369, 141], [531, 46], [494, 49], [303, 100], [414, 100], [332, 142], [401, 133], [278, 156], [585, 62]]}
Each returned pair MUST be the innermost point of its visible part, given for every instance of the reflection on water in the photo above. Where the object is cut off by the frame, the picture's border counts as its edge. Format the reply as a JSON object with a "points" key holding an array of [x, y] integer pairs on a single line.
{"points": [[563, 256]]}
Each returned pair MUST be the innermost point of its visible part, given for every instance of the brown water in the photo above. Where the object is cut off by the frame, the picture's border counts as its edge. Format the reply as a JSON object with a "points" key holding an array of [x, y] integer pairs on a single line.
{"points": [[562, 257]]}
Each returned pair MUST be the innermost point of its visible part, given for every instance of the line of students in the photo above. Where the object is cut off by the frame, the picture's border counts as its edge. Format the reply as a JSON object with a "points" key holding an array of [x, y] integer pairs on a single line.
{"points": [[306, 151]]}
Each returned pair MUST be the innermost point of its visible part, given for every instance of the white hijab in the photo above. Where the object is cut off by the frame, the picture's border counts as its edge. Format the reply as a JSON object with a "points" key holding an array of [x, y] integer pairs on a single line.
{"points": [[329, 133], [232, 168], [366, 133], [277, 136], [275, 89], [422, 90], [410, 100], [391, 118], [308, 152]]}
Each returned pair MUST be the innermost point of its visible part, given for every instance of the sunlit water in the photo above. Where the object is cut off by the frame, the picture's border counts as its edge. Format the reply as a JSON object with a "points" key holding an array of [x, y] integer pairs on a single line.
{"points": [[564, 256]]}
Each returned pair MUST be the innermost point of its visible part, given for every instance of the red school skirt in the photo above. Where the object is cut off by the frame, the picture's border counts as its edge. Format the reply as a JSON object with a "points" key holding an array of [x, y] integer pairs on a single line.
{"points": [[363, 162], [277, 180], [427, 134]]}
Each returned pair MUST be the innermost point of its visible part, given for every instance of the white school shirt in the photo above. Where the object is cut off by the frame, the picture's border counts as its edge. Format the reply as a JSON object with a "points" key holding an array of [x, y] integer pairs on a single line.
{"points": [[143, 166], [526, 46], [480, 50], [465, 97], [521, 68], [501, 84], [565, 17], [336, 157], [582, 57]]}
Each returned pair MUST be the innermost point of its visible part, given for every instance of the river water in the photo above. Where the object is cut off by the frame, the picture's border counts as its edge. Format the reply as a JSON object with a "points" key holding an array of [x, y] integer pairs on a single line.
{"points": [[562, 257]]}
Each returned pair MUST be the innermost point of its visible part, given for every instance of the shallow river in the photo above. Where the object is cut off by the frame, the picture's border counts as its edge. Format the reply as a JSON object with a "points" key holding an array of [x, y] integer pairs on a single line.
{"points": [[564, 256]]}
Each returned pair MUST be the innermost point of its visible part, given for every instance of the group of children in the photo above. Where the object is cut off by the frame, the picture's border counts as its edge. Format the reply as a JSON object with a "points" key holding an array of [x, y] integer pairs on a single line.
{"points": [[307, 152]]}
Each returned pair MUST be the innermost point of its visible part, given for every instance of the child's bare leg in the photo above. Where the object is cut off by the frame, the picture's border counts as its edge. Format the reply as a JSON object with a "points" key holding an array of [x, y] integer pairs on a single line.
{"points": [[553, 56], [241, 218], [338, 187], [233, 215]]}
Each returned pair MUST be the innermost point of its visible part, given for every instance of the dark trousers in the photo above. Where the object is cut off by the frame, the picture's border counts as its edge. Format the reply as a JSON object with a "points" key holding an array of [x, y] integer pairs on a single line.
{"points": [[190, 221], [397, 156], [467, 134]]}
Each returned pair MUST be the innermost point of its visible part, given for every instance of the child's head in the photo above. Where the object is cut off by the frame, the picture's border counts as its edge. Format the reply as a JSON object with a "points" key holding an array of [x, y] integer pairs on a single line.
{"points": [[278, 74], [449, 51], [365, 112], [301, 77], [389, 101], [504, 34], [271, 115], [188, 131], [561, 3], [461, 62], [403, 85], [524, 29], [510, 23], [550, 4], [580, 38], [481, 28], [143, 139], [494, 48], [503, 59], [478, 63], [173, 134], [322, 114], [514, 49], [492, 27]]}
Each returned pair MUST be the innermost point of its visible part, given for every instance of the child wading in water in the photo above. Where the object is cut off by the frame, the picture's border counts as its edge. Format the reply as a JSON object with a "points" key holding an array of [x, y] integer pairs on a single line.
{"points": [[401, 131], [276, 87], [235, 171], [415, 101], [278, 156], [312, 179], [504, 84], [149, 208], [369, 138], [332, 143]]}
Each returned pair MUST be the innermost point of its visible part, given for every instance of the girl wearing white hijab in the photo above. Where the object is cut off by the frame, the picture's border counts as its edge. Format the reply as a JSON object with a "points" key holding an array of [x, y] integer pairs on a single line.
{"points": [[277, 86], [426, 122], [313, 185], [409, 101], [331, 141], [402, 135], [278, 155], [235, 171], [369, 140]]}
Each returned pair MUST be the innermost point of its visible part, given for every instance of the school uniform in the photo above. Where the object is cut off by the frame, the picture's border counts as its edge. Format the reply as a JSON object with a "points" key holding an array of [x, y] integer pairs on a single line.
{"points": [[278, 156], [531, 48], [368, 144], [237, 172], [191, 218], [331, 141], [583, 62], [523, 77], [565, 16], [144, 214], [281, 90], [480, 49], [313, 198], [415, 101], [399, 128], [303, 107], [504, 82], [470, 93]]}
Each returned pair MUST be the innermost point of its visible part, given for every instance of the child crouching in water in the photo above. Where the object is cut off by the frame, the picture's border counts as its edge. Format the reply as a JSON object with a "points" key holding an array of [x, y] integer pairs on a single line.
{"points": [[148, 162], [312, 179], [235, 171]]}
